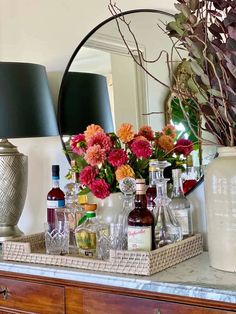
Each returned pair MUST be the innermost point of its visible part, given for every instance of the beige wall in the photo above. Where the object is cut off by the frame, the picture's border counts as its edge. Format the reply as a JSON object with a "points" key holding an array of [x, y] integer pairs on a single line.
{"points": [[47, 32]]}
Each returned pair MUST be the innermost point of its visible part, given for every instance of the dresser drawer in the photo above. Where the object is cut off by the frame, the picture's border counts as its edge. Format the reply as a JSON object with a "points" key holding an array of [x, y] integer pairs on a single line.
{"points": [[31, 297], [101, 303]]}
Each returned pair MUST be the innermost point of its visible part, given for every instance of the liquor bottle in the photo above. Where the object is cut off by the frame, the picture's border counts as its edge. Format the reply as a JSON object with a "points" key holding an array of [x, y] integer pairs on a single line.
{"points": [[140, 222], [191, 176], [55, 197], [167, 228], [151, 191], [180, 205], [86, 233]]}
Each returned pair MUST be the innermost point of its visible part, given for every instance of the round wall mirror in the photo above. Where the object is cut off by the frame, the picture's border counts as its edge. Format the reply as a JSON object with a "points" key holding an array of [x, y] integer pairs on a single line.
{"points": [[127, 92]]}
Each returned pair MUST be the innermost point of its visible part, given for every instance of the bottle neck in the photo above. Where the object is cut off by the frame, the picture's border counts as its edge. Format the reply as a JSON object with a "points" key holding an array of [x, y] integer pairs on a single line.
{"points": [[140, 200], [55, 182], [177, 187], [90, 214], [153, 175]]}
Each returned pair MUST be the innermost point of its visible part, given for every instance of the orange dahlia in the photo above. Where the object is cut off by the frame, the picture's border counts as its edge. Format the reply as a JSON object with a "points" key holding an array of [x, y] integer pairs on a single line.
{"points": [[124, 171], [125, 132], [170, 130], [91, 130], [166, 142]]}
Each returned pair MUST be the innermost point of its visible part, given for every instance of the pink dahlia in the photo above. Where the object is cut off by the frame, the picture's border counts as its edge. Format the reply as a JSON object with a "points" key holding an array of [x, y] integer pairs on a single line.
{"points": [[141, 148], [117, 157], [100, 139], [88, 175], [78, 144], [183, 146], [95, 155], [147, 132], [100, 188]]}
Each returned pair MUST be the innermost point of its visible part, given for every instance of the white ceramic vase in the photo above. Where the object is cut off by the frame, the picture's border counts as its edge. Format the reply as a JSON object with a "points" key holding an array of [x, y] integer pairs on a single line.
{"points": [[220, 196], [109, 208]]}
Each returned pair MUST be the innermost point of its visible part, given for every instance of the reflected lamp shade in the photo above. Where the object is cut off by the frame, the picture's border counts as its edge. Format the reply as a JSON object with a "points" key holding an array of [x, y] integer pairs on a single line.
{"points": [[84, 100], [26, 110]]}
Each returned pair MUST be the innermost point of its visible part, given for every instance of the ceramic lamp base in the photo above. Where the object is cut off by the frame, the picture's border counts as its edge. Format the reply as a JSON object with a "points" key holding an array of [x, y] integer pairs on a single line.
{"points": [[13, 188]]}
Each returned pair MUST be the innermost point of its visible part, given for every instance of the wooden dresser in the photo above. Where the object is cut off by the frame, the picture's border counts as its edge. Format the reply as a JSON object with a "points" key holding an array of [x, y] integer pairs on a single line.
{"points": [[34, 294]]}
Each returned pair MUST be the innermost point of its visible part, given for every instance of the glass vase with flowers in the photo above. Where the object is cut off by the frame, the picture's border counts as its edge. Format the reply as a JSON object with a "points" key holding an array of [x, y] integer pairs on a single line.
{"points": [[103, 159]]}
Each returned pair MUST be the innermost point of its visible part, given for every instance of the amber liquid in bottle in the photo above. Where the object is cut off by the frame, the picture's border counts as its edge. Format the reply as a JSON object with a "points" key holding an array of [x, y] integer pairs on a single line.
{"points": [[55, 197], [140, 222]]}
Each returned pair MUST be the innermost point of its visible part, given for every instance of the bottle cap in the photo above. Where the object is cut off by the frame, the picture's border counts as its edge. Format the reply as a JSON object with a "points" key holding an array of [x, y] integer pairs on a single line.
{"points": [[73, 163], [55, 170], [140, 186], [90, 207]]}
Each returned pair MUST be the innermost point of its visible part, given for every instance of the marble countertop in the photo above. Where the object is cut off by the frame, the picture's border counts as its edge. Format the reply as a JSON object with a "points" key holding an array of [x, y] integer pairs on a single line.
{"points": [[194, 278]]}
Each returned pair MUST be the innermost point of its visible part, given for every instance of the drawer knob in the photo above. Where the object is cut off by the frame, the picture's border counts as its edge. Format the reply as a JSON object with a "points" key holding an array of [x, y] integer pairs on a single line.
{"points": [[5, 292]]}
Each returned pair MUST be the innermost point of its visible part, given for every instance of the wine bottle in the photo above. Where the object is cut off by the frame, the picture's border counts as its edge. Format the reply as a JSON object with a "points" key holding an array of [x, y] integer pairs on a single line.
{"points": [[140, 222], [55, 197]]}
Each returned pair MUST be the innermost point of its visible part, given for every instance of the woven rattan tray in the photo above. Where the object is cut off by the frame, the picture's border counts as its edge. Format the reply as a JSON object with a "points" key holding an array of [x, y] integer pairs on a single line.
{"points": [[31, 249]]}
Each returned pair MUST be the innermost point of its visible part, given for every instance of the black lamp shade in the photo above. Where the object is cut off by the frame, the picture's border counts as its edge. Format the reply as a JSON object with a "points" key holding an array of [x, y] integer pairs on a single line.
{"points": [[26, 107], [84, 100]]}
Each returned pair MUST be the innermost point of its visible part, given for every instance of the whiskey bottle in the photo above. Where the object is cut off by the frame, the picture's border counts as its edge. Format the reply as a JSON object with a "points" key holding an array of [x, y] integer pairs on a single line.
{"points": [[55, 197], [180, 205], [140, 222]]}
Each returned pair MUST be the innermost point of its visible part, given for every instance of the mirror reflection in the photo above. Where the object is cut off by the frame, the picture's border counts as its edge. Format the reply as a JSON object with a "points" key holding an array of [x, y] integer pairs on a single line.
{"points": [[134, 96]]}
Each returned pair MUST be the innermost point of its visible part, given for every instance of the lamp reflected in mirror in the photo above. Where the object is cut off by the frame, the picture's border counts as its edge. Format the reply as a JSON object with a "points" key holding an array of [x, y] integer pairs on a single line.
{"points": [[86, 101]]}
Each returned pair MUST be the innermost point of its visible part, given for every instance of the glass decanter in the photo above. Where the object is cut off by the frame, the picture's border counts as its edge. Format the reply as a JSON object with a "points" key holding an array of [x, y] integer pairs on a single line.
{"points": [[167, 228], [128, 188]]}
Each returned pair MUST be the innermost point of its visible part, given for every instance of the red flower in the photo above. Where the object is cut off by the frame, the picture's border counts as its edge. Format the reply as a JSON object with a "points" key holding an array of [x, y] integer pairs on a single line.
{"points": [[87, 175], [78, 144], [141, 148], [184, 147], [95, 155], [117, 157], [100, 188], [100, 139], [147, 132]]}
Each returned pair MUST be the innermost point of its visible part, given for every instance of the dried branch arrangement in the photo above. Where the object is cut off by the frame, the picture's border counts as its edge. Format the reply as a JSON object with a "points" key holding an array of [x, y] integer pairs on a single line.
{"points": [[203, 34]]}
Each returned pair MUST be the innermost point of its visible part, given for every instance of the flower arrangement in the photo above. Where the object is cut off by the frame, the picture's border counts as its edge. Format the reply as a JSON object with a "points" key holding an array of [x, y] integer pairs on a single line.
{"points": [[103, 159]]}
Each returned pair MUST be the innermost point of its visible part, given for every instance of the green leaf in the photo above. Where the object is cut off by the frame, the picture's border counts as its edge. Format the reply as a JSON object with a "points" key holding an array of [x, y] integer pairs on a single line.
{"points": [[215, 92], [183, 8], [194, 48], [193, 4], [196, 67], [194, 88], [201, 98], [205, 79], [173, 26]]}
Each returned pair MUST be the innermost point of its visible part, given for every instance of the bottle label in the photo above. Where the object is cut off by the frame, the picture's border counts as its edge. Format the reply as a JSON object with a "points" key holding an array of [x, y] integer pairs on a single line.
{"points": [[182, 217], [139, 238], [55, 203], [86, 242]]}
